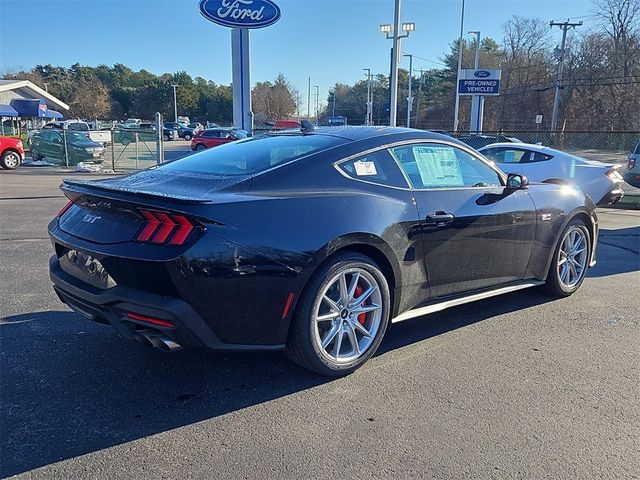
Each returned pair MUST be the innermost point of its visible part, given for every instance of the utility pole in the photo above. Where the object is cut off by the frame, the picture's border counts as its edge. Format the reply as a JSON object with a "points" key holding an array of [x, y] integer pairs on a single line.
{"points": [[369, 100], [317, 104], [419, 95], [333, 112], [175, 104], [556, 99], [477, 101], [460, 47], [409, 97], [309, 101]]}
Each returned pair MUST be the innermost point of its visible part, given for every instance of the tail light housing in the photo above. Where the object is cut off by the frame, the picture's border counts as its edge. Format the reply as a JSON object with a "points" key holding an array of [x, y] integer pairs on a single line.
{"points": [[165, 228], [613, 174], [632, 162], [64, 209]]}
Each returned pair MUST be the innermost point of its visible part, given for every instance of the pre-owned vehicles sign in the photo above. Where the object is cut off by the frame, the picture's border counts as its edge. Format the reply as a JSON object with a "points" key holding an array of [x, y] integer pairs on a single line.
{"points": [[479, 82]]}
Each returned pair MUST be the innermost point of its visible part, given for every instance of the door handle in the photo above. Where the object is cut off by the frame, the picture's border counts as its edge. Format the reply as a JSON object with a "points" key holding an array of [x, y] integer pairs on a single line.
{"points": [[440, 218]]}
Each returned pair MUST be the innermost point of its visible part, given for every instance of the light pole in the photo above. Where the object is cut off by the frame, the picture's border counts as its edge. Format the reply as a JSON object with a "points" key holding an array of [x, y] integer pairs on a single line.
{"points": [[309, 101], [455, 117], [409, 97], [333, 111], [369, 100], [477, 101], [395, 56], [317, 104], [175, 103]]}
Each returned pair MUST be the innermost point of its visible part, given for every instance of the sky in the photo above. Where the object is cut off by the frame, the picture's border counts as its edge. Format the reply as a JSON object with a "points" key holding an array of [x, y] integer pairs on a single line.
{"points": [[328, 40]]}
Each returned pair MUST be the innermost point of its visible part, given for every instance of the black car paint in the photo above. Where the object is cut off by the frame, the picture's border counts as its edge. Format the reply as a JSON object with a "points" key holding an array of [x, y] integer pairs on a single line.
{"points": [[261, 237]]}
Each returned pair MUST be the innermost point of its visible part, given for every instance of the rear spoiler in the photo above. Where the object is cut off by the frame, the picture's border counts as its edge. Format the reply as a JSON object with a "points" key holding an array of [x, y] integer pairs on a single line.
{"points": [[91, 187]]}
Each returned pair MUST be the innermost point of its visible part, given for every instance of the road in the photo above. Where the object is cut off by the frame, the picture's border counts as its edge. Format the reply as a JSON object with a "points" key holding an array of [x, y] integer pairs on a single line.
{"points": [[519, 386]]}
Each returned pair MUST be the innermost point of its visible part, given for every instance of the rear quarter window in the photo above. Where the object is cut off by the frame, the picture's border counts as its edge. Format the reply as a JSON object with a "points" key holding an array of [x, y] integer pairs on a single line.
{"points": [[376, 167]]}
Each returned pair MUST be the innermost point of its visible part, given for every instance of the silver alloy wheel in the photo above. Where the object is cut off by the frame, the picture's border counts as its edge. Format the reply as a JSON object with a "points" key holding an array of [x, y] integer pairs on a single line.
{"points": [[572, 258], [347, 317], [11, 160]]}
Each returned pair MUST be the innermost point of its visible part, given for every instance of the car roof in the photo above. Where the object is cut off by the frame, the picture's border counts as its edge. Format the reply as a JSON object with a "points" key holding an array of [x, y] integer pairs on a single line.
{"points": [[351, 132], [529, 146]]}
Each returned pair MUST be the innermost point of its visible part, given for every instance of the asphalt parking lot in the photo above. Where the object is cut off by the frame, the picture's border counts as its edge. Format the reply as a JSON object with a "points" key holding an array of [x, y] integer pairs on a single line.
{"points": [[519, 386]]}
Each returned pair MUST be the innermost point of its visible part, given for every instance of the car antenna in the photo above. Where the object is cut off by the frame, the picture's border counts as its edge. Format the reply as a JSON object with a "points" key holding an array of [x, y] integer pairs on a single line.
{"points": [[306, 126]]}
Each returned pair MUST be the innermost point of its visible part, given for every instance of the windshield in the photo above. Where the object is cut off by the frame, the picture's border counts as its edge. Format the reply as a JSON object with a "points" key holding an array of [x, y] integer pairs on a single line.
{"points": [[253, 155], [77, 137]]}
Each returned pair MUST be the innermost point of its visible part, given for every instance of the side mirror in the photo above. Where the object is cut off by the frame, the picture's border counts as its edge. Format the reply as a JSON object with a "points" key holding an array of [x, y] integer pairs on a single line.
{"points": [[515, 181]]}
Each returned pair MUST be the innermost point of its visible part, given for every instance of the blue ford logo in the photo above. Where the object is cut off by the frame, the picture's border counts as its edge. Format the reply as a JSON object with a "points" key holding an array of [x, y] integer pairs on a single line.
{"points": [[240, 13], [482, 74]]}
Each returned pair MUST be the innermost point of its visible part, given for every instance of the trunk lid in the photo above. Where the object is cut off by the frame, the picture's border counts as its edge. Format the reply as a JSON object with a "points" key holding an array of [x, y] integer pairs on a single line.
{"points": [[113, 210]]}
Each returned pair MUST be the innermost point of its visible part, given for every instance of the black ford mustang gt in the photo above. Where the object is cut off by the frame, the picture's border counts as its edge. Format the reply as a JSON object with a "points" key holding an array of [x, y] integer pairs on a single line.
{"points": [[311, 241]]}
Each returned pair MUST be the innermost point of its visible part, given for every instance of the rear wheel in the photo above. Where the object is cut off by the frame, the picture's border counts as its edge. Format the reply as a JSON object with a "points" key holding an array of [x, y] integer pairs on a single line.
{"points": [[166, 137], [35, 155], [187, 136], [570, 260], [10, 160], [341, 317]]}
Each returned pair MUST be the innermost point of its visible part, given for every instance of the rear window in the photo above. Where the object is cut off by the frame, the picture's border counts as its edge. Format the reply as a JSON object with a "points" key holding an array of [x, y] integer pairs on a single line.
{"points": [[252, 155]]}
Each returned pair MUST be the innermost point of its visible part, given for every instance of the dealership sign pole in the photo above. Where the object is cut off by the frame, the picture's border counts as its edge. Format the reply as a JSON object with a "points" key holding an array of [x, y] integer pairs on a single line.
{"points": [[240, 16]]}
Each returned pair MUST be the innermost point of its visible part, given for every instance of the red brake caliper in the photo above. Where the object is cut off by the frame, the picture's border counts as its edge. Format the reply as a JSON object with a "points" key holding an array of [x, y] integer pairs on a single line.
{"points": [[363, 316]]}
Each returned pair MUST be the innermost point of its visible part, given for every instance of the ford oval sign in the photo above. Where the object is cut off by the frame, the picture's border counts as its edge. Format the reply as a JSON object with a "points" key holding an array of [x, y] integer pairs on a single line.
{"points": [[482, 74], [240, 13]]}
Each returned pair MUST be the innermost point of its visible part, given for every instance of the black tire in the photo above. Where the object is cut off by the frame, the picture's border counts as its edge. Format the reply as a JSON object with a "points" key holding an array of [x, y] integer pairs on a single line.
{"points": [[301, 347], [167, 137], [554, 285], [187, 136], [10, 160], [35, 155], [200, 147]]}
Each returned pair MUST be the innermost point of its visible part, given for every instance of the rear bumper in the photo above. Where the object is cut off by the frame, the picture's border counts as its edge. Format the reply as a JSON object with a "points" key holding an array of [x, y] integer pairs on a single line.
{"points": [[611, 197], [112, 306]]}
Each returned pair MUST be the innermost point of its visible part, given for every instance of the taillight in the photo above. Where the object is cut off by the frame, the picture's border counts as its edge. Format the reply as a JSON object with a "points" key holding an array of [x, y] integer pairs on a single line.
{"points": [[64, 209], [165, 228], [613, 174], [632, 162]]}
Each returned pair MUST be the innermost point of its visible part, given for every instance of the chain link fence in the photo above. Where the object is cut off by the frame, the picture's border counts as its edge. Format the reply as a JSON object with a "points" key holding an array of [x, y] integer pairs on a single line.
{"points": [[614, 142], [108, 149]]}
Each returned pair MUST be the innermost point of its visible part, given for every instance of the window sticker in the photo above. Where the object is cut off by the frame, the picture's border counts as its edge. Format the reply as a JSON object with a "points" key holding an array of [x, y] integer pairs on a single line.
{"points": [[365, 168], [438, 167]]}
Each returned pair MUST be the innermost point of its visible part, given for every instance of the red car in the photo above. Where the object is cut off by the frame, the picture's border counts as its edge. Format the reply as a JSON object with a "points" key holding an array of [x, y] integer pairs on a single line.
{"points": [[11, 153], [213, 137]]}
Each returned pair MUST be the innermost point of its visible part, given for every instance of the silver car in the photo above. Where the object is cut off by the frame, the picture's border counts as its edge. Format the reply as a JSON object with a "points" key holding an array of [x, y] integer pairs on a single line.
{"points": [[632, 176]]}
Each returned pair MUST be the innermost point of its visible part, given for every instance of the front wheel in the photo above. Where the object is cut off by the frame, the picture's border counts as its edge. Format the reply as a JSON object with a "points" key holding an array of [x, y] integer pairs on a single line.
{"points": [[166, 137], [570, 260], [10, 160], [200, 147], [341, 317]]}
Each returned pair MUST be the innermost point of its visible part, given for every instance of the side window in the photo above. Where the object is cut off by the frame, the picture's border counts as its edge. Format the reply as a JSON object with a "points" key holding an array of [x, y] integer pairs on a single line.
{"points": [[506, 155], [377, 167], [211, 134], [431, 165], [539, 157]]}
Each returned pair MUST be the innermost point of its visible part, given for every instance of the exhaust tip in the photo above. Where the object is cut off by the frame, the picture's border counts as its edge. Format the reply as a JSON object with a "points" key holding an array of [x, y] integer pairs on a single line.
{"points": [[157, 340]]}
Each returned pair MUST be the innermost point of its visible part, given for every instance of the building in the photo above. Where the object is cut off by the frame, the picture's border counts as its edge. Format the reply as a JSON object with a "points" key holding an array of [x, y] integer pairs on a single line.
{"points": [[24, 105]]}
